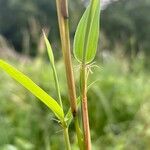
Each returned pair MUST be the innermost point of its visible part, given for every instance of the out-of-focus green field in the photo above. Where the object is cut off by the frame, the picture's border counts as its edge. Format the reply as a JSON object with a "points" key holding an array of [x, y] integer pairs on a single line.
{"points": [[119, 107]]}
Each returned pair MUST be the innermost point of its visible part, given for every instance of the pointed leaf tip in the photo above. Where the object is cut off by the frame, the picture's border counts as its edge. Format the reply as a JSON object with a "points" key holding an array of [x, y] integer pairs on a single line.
{"points": [[49, 49]]}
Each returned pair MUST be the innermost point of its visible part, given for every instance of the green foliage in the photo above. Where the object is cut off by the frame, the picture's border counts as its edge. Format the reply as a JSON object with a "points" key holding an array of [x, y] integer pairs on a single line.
{"points": [[87, 33], [33, 88]]}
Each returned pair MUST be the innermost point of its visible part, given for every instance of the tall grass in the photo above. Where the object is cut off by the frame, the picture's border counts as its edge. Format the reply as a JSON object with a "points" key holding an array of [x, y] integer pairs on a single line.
{"points": [[23, 117]]}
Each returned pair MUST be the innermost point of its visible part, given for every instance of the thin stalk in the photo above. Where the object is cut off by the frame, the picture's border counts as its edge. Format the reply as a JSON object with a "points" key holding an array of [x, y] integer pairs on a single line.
{"points": [[57, 86], [79, 133], [85, 118], [65, 128], [62, 12], [66, 137]]}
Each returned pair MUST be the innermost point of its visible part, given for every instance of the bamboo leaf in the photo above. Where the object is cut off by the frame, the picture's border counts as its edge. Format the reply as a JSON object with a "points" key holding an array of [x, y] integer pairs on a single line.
{"points": [[33, 88], [51, 58], [87, 33]]}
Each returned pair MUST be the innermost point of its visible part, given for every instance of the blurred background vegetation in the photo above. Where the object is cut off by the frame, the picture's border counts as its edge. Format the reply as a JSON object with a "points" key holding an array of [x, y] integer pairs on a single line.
{"points": [[119, 100]]}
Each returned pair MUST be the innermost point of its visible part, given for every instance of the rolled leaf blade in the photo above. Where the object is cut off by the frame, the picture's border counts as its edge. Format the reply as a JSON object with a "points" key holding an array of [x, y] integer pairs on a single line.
{"points": [[49, 49], [33, 88]]}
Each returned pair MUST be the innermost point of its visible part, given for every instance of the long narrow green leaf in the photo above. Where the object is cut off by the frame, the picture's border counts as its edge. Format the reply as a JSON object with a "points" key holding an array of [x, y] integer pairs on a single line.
{"points": [[33, 88], [87, 33], [51, 58]]}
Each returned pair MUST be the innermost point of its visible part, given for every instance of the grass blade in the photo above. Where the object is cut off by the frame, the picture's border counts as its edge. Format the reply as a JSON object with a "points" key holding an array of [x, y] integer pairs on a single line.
{"points": [[52, 61], [33, 88]]}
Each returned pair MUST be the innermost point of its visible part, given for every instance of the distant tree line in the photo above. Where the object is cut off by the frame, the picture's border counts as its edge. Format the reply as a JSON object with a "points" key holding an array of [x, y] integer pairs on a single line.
{"points": [[128, 22], [125, 21], [21, 21]]}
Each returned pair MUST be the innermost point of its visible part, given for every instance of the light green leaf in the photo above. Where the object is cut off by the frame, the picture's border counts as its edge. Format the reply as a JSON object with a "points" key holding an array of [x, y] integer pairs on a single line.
{"points": [[51, 58], [33, 88], [87, 33], [49, 50]]}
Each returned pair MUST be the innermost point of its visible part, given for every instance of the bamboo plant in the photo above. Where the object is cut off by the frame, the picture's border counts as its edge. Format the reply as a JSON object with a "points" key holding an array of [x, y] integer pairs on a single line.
{"points": [[84, 50]]}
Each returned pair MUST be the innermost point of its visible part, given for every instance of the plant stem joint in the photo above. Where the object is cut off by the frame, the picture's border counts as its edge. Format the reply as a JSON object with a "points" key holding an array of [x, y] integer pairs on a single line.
{"points": [[64, 9]]}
